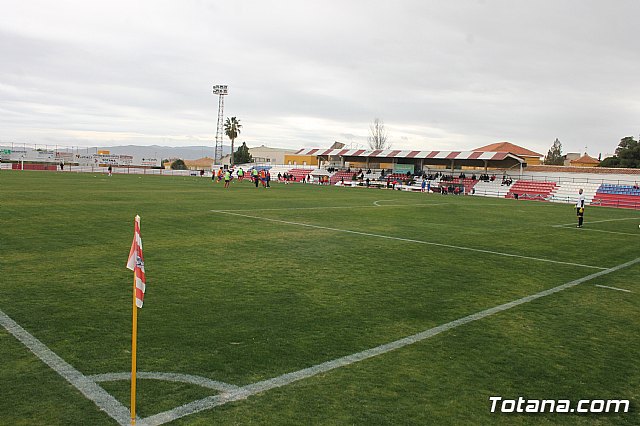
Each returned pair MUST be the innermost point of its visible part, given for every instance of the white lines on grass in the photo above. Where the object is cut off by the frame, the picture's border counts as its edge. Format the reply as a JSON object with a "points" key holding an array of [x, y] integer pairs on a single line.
{"points": [[86, 386], [613, 288], [637, 234], [328, 207], [597, 221], [167, 377], [450, 246], [286, 379], [377, 202]]}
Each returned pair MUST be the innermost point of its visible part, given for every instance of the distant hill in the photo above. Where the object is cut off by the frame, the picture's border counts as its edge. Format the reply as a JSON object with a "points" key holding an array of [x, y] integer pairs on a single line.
{"points": [[166, 152]]}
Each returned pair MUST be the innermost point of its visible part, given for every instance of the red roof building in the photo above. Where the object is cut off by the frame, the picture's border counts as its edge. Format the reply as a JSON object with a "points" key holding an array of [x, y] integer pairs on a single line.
{"points": [[531, 157], [585, 161]]}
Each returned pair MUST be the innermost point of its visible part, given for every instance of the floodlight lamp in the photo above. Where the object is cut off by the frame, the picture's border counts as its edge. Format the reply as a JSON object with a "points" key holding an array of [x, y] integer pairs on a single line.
{"points": [[220, 89]]}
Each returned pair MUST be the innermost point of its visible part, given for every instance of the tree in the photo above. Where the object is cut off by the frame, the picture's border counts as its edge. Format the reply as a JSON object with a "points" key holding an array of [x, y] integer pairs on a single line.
{"points": [[232, 129], [178, 165], [378, 135], [554, 156], [242, 155], [627, 154]]}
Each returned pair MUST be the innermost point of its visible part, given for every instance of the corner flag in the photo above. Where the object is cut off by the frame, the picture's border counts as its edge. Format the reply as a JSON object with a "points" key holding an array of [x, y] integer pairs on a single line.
{"points": [[136, 263]]}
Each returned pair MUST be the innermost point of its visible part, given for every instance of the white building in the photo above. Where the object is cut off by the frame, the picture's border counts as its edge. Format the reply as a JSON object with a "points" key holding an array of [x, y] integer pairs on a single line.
{"points": [[264, 155]]}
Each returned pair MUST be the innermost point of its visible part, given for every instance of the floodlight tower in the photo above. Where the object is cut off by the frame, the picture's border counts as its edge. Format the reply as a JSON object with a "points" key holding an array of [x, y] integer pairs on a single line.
{"points": [[221, 91]]}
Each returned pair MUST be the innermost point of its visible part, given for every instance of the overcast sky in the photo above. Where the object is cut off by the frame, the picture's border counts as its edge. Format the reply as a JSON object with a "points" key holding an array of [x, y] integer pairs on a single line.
{"points": [[442, 75]]}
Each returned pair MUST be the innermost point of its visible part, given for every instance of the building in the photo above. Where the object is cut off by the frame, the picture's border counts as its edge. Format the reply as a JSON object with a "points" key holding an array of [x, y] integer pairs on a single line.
{"points": [[264, 155], [569, 157], [585, 161], [298, 159], [403, 161], [531, 157], [204, 163]]}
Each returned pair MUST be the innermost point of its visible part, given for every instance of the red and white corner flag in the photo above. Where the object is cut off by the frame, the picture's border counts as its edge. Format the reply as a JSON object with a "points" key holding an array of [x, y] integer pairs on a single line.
{"points": [[136, 263]]}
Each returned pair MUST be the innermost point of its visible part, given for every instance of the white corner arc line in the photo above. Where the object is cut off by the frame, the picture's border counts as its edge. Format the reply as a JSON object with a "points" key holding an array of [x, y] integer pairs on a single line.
{"points": [[86, 386], [613, 288], [366, 234], [167, 377], [288, 378]]}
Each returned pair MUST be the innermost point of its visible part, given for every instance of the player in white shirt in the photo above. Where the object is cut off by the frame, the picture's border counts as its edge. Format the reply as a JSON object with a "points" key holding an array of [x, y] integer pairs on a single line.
{"points": [[580, 208]]}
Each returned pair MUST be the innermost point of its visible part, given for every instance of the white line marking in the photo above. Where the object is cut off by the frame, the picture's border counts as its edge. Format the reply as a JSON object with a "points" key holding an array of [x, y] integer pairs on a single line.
{"points": [[597, 221], [285, 379], [377, 202], [409, 240], [86, 386], [168, 377], [329, 207], [601, 230], [613, 288]]}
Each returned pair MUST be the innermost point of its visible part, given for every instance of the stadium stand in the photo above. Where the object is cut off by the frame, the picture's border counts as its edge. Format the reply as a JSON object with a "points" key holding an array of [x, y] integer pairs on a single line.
{"points": [[338, 176], [490, 189], [531, 190], [567, 192], [467, 182], [274, 172], [298, 173], [622, 196]]}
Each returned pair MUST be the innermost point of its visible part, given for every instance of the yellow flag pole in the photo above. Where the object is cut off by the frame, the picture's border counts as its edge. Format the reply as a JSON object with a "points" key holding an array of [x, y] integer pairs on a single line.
{"points": [[134, 344]]}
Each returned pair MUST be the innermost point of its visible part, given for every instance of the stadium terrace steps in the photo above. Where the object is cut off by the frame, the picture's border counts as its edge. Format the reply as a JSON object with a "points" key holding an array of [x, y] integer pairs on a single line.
{"points": [[467, 182], [338, 176], [531, 190], [299, 173], [491, 189], [567, 192], [622, 196], [275, 170]]}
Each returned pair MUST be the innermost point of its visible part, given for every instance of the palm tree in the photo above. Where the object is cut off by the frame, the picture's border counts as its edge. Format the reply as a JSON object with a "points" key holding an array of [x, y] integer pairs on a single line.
{"points": [[232, 129]]}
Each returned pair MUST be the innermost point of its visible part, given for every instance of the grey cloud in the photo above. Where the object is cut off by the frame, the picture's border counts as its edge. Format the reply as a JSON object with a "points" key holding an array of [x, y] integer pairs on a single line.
{"points": [[464, 73]]}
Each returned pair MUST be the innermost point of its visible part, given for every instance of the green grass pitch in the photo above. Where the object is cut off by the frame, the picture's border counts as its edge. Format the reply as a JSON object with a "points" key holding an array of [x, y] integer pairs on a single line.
{"points": [[240, 291]]}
